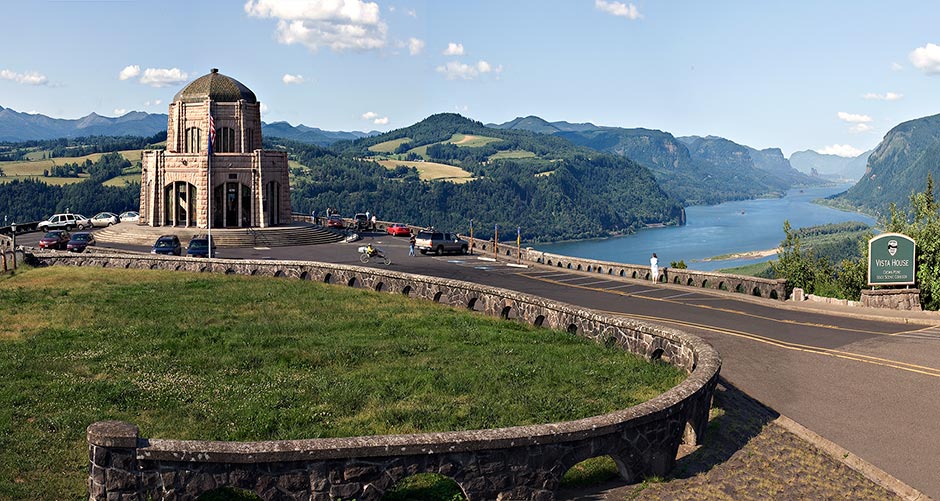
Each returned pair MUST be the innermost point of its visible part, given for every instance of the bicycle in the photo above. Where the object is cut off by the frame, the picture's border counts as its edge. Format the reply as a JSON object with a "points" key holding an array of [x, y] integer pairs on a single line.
{"points": [[365, 257]]}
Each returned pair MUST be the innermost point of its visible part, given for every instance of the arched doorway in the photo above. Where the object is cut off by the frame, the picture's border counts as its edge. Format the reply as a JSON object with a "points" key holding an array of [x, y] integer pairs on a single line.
{"points": [[179, 204]]}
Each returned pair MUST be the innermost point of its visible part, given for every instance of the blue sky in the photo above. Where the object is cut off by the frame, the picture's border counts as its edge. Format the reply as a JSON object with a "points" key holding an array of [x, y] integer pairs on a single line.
{"points": [[831, 76]]}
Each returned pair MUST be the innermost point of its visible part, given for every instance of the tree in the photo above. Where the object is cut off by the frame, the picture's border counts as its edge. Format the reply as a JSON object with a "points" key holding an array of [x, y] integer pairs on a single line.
{"points": [[923, 225], [794, 263]]}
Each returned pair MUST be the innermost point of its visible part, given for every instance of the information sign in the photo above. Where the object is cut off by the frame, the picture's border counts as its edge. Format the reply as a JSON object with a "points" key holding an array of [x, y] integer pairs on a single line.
{"points": [[891, 260]]}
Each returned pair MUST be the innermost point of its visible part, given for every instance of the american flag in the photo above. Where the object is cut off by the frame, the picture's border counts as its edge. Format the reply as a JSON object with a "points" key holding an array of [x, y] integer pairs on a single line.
{"points": [[211, 132]]}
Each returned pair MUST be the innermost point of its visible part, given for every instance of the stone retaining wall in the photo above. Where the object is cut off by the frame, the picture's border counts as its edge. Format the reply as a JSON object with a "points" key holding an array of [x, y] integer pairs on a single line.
{"points": [[895, 299], [762, 287], [524, 462]]}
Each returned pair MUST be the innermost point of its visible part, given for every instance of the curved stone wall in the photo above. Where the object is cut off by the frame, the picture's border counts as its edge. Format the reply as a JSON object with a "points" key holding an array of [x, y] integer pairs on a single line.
{"points": [[524, 462]]}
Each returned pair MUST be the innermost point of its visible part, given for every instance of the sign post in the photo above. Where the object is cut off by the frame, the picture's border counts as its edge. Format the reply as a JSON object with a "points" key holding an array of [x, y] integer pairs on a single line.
{"points": [[891, 259], [471, 236], [496, 241]]}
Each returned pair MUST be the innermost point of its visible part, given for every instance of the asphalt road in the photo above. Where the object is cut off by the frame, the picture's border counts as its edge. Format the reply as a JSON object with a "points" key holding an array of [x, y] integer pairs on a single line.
{"points": [[869, 385]]}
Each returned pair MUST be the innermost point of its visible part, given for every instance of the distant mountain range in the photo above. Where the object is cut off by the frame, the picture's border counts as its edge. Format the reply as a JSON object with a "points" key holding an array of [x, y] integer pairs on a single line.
{"points": [[898, 167], [830, 166], [16, 126], [697, 170]]}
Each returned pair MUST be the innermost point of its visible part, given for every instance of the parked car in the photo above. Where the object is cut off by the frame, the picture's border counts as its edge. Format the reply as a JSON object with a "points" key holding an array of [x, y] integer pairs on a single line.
{"points": [[398, 230], [439, 242], [102, 219], [65, 221], [55, 239], [335, 221], [79, 241], [199, 247], [129, 216], [167, 244], [361, 221]]}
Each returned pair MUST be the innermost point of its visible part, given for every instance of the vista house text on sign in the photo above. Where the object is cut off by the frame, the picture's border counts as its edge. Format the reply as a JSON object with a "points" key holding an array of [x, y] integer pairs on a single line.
{"points": [[249, 186]]}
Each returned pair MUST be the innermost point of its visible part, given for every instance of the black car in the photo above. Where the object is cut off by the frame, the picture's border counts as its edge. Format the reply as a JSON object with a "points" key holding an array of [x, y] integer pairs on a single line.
{"points": [[79, 241], [167, 244], [199, 247]]}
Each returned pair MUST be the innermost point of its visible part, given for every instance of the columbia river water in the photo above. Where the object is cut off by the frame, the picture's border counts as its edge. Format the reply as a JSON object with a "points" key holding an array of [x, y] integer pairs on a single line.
{"points": [[716, 230]]}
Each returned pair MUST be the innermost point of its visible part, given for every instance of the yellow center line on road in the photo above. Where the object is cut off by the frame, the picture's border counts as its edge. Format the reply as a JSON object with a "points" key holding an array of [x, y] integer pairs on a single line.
{"points": [[713, 308], [857, 357]]}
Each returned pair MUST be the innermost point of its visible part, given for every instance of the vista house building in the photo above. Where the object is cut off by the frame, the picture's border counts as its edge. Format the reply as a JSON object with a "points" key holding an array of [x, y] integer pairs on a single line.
{"points": [[249, 186]]}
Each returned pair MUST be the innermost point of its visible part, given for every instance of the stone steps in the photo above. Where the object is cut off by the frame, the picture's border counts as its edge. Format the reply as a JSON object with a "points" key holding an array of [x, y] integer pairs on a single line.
{"points": [[280, 236]]}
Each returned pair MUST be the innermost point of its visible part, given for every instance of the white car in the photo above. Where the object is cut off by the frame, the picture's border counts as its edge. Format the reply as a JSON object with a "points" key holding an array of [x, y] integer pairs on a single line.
{"points": [[104, 219], [129, 216], [65, 221]]}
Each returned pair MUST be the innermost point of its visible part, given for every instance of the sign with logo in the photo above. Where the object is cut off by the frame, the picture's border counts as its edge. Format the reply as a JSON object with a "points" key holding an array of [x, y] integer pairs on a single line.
{"points": [[891, 260]]}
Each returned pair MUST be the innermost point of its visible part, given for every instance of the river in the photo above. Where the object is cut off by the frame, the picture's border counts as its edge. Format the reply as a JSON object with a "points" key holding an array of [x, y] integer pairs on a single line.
{"points": [[716, 230]]}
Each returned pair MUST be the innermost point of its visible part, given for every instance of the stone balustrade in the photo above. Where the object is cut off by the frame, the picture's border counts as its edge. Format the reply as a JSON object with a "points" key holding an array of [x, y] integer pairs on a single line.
{"points": [[523, 462]]}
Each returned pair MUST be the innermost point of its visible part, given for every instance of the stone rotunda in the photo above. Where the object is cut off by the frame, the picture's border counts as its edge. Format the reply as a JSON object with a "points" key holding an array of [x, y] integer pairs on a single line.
{"points": [[213, 146]]}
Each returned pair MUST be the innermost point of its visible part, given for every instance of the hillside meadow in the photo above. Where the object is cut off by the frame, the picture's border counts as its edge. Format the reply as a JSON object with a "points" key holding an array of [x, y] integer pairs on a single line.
{"points": [[216, 357]]}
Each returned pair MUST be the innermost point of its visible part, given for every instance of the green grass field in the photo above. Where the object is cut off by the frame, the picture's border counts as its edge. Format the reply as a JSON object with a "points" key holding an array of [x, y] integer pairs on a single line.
{"points": [[121, 181], [216, 357], [389, 146], [430, 171], [509, 154], [471, 141], [36, 167]]}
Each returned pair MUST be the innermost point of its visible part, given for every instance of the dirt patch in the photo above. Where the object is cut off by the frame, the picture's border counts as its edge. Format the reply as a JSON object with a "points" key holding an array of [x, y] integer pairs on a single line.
{"points": [[745, 456]]}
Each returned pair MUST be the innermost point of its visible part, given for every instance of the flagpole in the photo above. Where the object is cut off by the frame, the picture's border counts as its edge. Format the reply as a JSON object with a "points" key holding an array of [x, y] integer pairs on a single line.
{"points": [[209, 175]]}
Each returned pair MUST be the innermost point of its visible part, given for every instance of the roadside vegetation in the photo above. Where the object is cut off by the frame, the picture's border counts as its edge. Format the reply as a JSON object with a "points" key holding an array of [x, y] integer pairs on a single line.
{"points": [[215, 357]]}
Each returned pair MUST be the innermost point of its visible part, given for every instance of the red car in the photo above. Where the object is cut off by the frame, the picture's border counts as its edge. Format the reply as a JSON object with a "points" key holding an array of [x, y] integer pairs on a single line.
{"points": [[335, 221], [398, 230], [55, 239]]}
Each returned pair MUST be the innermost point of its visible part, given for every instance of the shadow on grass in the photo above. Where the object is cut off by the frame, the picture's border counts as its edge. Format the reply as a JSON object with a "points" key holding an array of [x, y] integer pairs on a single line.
{"points": [[735, 419]]}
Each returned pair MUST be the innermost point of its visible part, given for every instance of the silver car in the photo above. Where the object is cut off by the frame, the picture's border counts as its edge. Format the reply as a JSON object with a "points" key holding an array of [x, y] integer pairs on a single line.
{"points": [[102, 219]]}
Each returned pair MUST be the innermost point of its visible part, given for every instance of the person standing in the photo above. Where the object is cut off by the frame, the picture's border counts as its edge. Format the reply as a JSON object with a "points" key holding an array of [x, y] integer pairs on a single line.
{"points": [[373, 222], [654, 268], [313, 215], [411, 244]]}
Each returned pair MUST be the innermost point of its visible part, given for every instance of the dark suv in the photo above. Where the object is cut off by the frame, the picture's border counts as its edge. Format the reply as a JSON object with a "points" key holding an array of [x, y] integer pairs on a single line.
{"points": [[167, 244], [439, 242], [199, 247], [361, 222]]}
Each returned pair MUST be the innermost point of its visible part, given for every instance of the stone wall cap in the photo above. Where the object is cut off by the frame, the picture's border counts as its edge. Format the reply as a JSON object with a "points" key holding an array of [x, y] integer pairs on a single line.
{"points": [[113, 434]]}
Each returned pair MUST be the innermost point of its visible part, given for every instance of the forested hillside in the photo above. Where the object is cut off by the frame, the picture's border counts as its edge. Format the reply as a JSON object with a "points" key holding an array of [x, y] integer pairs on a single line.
{"points": [[898, 167], [549, 187]]}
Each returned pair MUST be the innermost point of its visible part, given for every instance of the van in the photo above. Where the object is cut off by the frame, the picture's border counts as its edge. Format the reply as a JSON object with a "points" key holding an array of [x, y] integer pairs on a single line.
{"points": [[439, 242]]}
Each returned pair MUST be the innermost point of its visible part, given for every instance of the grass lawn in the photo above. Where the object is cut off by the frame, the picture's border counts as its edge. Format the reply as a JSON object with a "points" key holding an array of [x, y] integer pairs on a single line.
{"points": [[215, 357], [429, 171], [36, 167]]}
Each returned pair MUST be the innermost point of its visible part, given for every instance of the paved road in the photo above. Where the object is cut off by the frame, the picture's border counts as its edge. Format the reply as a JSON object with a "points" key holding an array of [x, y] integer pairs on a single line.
{"points": [[869, 385]]}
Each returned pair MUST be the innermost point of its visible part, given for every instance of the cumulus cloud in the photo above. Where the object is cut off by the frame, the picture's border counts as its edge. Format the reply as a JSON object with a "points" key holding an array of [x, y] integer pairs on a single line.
{"points": [[264, 108], [415, 46], [887, 96], [853, 118], [842, 150], [453, 49], [454, 70], [619, 9], [860, 128], [129, 71], [926, 58], [338, 25], [29, 78], [119, 112], [292, 79], [162, 77], [375, 118]]}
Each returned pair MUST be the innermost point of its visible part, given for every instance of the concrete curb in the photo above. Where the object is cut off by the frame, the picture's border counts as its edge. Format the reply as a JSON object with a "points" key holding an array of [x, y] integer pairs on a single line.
{"points": [[842, 455]]}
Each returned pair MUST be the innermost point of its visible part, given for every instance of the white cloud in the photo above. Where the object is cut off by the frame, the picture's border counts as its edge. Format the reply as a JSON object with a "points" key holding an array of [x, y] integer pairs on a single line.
{"points": [[30, 78], [415, 46], [374, 118], [339, 25], [926, 58], [155, 102], [853, 118], [887, 96], [455, 69], [453, 49], [842, 150], [896, 67], [412, 13], [119, 112], [264, 108], [618, 9], [292, 79], [129, 71], [162, 77], [860, 128]]}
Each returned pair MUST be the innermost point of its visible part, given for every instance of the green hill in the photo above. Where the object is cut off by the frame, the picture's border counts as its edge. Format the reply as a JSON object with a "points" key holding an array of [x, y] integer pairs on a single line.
{"points": [[589, 193], [898, 167]]}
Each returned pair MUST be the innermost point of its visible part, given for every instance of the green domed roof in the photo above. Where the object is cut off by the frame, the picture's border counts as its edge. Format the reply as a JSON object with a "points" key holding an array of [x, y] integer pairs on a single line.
{"points": [[217, 87]]}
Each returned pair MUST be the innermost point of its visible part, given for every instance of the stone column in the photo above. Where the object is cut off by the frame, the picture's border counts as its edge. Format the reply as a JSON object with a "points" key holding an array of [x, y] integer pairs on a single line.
{"points": [[112, 454]]}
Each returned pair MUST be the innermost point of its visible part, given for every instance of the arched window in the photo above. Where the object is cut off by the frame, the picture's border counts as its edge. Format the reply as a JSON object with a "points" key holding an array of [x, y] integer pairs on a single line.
{"points": [[193, 140], [224, 140]]}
